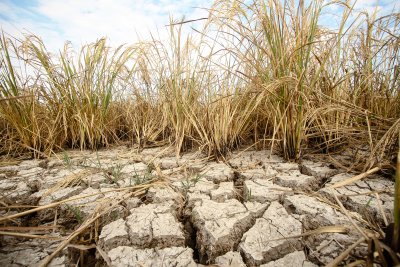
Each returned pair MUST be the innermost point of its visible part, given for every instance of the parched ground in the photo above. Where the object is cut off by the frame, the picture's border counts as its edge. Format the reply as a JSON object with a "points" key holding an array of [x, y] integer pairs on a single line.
{"points": [[254, 210]]}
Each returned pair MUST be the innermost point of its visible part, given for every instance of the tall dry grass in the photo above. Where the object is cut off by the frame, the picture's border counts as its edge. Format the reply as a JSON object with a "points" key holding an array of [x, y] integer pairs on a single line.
{"points": [[319, 88], [264, 73]]}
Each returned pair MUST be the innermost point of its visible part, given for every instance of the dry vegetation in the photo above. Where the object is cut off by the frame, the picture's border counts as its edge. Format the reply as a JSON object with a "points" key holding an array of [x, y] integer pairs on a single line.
{"points": [[262, 74]]}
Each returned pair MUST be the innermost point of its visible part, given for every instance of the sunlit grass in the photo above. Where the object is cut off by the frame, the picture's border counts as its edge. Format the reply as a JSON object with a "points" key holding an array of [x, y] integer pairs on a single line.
{"points": [[261, 73], [264, 73]]}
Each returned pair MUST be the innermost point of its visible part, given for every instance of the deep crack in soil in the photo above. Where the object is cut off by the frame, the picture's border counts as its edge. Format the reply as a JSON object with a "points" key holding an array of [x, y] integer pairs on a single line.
{"points": [[227, 208]]}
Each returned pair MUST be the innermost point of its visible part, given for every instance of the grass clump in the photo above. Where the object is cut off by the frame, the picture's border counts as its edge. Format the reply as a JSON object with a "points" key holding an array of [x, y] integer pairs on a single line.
{"points": [[262, 73], [259, 73]]}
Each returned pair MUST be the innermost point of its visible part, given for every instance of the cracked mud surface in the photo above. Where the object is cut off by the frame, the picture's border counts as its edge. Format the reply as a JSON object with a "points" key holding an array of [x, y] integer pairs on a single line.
{"points": [[253, 210]]}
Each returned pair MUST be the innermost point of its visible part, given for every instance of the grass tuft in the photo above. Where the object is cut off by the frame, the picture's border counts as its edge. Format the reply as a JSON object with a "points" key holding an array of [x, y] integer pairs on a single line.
{"points": [[259, 73]]}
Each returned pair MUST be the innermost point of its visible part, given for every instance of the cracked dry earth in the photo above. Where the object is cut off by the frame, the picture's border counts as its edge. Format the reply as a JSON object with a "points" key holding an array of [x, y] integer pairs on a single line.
{"points": [[253, 210]]}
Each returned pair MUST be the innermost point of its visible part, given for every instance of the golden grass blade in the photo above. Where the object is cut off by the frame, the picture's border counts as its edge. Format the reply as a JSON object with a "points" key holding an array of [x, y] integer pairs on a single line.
{"points": [[104, 255], [30, 235], [55, 204], [28, 228], [383, 214], [355, 178], [85, 225], [345, 212], [82, 247], [69, 181], [321, 230], [345, 253]]}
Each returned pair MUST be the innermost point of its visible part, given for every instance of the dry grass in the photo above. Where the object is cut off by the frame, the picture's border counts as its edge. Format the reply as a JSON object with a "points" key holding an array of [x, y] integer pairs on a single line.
{"points": [[262, 74]]}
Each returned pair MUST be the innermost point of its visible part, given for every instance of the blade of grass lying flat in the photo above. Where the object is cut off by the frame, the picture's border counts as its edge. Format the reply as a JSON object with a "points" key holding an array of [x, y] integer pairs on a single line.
{"points": [[30, 235], [104, 255], [82, 247], [356, 263], [321, 230], [344, 210], [28, 228], [355, 178], [345, 253], [16, 206], [55, 204], [70, 180], [88, 223], [383, 214]]}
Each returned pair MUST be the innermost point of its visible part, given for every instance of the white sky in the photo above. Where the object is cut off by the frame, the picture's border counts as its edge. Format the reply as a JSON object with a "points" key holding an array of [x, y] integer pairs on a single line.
{"points": [[84, 21]]}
